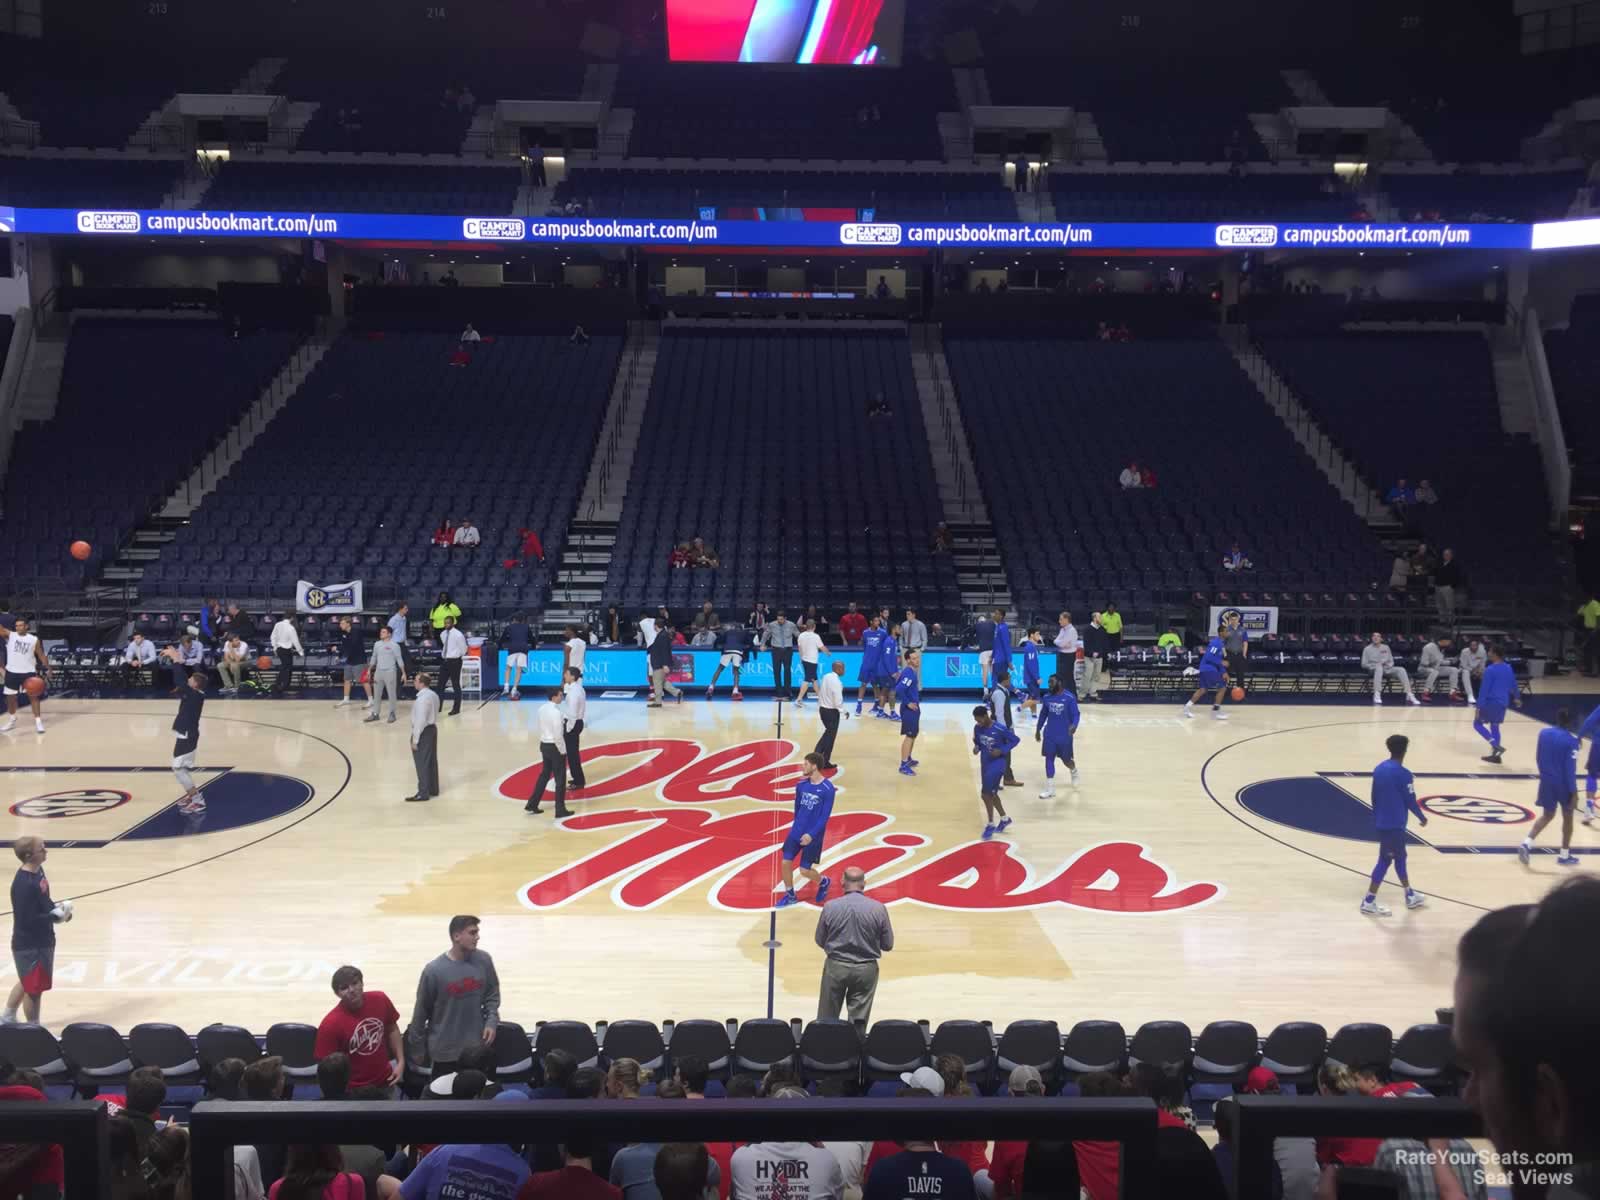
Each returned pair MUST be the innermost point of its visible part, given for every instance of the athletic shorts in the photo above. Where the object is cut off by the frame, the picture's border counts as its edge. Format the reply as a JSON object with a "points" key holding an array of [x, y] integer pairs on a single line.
{"points": [[1210, 680], [1393, 843], [993, 777], [1058, 748], [1492, 714], [808, 671], [16, 679], [809, 856], [354, 671], [733, 658], [1553, 795], [887, 681], [516, 662], [985, 657], [1033, 688], [183, 752], [910, 722], [35, 968]]}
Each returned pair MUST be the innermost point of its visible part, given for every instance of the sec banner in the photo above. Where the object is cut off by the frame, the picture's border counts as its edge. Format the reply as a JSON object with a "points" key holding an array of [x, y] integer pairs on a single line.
{"points": [[328, 597]]}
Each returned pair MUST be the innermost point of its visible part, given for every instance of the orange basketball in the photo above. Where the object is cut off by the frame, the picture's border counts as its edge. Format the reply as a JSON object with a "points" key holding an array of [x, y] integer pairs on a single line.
{"points": [[1236, 695], [80, 550], [263, 663], [34, 687]]}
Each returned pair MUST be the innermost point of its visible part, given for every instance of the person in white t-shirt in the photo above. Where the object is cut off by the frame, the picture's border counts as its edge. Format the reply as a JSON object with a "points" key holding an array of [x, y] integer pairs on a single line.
{"points": [[574, 708], [809, 643], [24, 659], [231, 665], [467, 535], [647, 629], [786, 1170], [573, 649]]}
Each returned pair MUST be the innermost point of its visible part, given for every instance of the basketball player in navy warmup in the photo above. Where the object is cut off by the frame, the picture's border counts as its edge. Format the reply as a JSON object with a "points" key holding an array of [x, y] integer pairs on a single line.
{"points": [[1213, 675], [1394, 797], [813, 804], [1058, 721], [909, 696], [992, 742]]}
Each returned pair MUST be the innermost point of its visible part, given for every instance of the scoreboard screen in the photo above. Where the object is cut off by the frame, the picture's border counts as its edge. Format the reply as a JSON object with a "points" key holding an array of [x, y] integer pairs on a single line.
{"points": [[862, 33]]}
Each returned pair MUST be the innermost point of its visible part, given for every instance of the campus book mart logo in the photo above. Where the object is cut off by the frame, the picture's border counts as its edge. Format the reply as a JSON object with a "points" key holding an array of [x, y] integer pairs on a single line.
{"points": [[493, 229], [108, 222], [656, 854], [1247, 235], [879, 233]]}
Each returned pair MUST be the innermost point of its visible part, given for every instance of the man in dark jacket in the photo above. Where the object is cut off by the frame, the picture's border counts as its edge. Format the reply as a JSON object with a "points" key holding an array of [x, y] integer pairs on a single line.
{"points": [[1096, 645]]}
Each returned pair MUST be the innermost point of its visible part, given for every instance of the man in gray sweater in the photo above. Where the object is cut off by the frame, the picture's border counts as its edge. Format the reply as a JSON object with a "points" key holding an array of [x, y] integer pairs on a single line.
{"points": [[387, 666], [1379, 659], [458, 1000]]}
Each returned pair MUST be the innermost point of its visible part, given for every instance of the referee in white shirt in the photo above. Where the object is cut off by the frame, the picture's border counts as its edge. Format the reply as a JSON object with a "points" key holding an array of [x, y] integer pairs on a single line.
{"points": [[552, 743], [425, 739], [1067, 645], [830, 704], [286, 641], [452, 649], [574, 708]]}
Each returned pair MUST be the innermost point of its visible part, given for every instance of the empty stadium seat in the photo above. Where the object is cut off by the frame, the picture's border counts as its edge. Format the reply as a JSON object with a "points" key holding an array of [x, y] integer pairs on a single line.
{"points": [[1094, 1046], [830, 1050], [707, 1041], [1224, 1052], [1361, 1044], [158, 1044], [1425, 1055], [576, 1038], [762, 1044], [638, 1040], [217, 1042], [1034, 1044], [34, 1048], [1166, 1044], [98, 1054], [513, 1053], [1294, 1051], [970, 1041], [296, 1044], [893, 1048]]}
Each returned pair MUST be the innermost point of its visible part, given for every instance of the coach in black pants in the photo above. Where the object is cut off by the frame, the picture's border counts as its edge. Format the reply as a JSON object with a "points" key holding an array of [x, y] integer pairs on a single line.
{"points": [[452, 649], [779, 637], [830, 703], [574, 708], [552, 739]]}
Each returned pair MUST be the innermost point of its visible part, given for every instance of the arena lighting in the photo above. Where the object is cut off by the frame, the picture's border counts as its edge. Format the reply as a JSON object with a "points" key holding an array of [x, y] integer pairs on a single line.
{"points": [[1565, 235]]}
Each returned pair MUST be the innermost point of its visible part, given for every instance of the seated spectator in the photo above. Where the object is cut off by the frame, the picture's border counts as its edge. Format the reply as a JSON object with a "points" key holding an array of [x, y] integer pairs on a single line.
{"points": [[679, 558], [367, 1161], [265, 1081], [683, 1171], [232, 664], [706, 639], [451, 1172], [943, 540], [467, 535], [575, 1179], [1379, 659], [917, 1168], [1169, 641], [1050, 1172], [953, 1072], [1425, 493], [1438, 1167], [224, 1083], [1004, 1176], [1399, 573], [469, 334], [146, 1091], [1100, 1163], [707, 618], [560, 1068], [579, 337], [445, 535], [1184, 1163], [1234, 559], [532, 547], [633, 1167], [702, 555], [317, 1173], [678, 639], [1102, 332], [1400, 495], [851, 1156], [1343, 1151], [1148, 476], [625, 1078], [761, 1170], [139, 654], [1131, 476], [1122, 334], [1295, 1158], [333, 1076], [1222, 1152], [852, 624]]}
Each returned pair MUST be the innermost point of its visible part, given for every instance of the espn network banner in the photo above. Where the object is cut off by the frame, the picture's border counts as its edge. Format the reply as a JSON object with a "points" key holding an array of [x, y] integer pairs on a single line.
{"points": [[327, 597]]}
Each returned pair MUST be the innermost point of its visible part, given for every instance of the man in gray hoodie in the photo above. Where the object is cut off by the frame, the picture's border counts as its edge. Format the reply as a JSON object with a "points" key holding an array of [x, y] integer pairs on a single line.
{"points": [[387, 666], [1379, 659], [458, 1000]]}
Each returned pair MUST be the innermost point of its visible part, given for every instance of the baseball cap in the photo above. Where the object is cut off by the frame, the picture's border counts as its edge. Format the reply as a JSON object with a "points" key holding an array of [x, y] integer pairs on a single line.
{"points": [[1022, 1076], [1259, 1080], [926, 1078]]}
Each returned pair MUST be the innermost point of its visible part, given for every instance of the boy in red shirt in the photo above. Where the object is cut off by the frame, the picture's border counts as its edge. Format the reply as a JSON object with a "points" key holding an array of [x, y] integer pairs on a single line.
{"points": [[365, 1026]]}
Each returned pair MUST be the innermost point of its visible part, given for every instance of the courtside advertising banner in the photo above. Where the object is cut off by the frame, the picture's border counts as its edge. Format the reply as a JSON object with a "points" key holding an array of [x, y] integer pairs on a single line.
{"points": [[327, 597], [902, 236], [1257, 618]]}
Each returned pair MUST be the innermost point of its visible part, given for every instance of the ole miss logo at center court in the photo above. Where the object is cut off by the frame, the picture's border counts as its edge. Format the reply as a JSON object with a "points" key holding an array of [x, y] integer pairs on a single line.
{"points": [[665, 851]]}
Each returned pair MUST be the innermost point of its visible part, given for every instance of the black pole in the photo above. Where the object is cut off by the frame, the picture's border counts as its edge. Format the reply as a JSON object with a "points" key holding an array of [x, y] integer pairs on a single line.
{"points": [[772, 943]]}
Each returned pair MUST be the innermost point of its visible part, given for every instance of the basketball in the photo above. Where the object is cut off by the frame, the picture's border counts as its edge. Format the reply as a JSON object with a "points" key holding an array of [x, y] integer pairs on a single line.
{"points": [[1236, 695], [34, 687], [263, 663], [80, 550]]}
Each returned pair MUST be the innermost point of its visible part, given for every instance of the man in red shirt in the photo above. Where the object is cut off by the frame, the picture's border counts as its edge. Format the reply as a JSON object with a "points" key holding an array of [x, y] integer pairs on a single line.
{"points": [[576, 1180], [366, 1026], [852, 625], [532, 547]]}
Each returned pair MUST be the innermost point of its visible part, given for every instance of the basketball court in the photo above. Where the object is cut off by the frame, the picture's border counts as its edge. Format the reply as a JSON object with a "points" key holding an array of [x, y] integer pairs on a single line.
{"points": [[1202, 870]]}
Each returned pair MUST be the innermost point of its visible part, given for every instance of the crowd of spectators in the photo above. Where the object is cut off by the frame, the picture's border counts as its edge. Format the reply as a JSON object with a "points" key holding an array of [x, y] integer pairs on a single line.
{"points": [[693, 554]]}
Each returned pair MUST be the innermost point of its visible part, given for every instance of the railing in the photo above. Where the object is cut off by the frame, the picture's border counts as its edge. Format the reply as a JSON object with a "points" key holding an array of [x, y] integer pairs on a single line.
{"points": [[217, 1127], [1546, 416]]}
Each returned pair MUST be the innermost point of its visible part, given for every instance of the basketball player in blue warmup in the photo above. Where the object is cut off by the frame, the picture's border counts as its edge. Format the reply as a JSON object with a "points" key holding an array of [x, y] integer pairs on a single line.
{"points": [[867, 673], [1591, 730], [907, 692], [1498, 689], [1058, 721], [1030, 670], [1213, 675], [992, 742], [1557, 755], [888, 673], [1394, 797], [1002, 644], [813, 805]]}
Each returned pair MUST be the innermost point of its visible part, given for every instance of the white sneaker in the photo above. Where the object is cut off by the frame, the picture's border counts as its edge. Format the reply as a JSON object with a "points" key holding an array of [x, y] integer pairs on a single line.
{"points": [[1075, 775], [1415, 900], [1188, 711], [38, 724], [7, 1019], [1588, 812], [1049, 791], [1524, 853], [11, 723], [342, 703], [1218, 715], [1377, 699], [1410, 699], [1373, 909]]}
